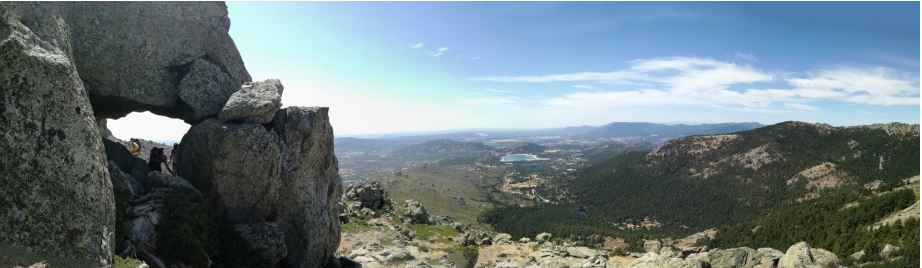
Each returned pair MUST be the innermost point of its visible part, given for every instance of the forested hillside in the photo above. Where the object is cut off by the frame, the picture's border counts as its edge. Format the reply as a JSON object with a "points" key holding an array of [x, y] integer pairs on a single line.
{"points": [[845, 223], [698, 182]]}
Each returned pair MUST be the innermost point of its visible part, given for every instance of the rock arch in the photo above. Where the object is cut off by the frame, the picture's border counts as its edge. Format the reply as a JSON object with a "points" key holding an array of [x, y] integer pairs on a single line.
{"points": [[64, 65]]}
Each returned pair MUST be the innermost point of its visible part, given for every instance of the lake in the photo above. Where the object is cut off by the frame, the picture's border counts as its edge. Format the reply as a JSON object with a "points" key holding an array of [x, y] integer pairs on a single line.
{"points": [[519, 157]]}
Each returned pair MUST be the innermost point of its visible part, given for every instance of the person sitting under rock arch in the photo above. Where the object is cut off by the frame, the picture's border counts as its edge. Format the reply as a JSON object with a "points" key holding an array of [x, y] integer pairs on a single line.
{"points": [[135, 147], [156, 159]]}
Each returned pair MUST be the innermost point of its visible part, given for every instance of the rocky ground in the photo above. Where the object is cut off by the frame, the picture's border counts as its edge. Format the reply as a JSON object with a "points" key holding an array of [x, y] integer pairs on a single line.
{"points": [[379, 233]]}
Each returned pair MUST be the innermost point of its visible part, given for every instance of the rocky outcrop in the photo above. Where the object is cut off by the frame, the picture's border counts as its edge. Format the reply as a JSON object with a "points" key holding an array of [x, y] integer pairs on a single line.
{"points": [[56, 197], [366, 194], [284, 173], [255, 102], [476, 237], [801, 255], [236, 165], [897, 128], [818, 178], [65, 67], [543, 237], [502, 238], [415, 212], [888, 251], [652, 246]]}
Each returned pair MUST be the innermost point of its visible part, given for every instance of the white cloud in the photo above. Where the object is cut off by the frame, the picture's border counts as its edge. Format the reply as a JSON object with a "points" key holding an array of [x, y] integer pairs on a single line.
{"points": [[416, 46], [490, 100], [499, 91], [682, 73], [646, 97], [800, 106], [568, 77], [868, 85], [584, 86], [438, 52], [713, 83], [475, 58], [745, 56]]}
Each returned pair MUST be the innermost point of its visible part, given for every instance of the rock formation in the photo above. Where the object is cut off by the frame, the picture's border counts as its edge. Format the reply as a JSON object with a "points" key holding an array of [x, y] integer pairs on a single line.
{"points": [[237, 165], [255, 102], [366, 194], [285, 175], [311, 185], [65, 67], [415, 212], [173, 60], [56, 195]]}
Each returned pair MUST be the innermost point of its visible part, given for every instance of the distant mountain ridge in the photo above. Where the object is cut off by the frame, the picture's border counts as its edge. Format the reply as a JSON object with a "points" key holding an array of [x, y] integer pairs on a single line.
{"points": [[628, 129], [647, 132]]}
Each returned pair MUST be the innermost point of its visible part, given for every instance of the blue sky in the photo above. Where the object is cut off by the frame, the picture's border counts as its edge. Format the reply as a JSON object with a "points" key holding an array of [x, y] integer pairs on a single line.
{"points": [[413, 66]]}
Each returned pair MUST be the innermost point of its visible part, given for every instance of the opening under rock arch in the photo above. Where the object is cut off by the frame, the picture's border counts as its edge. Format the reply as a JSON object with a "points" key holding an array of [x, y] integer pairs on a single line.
{"points": [[151, 129], [148, 126]]}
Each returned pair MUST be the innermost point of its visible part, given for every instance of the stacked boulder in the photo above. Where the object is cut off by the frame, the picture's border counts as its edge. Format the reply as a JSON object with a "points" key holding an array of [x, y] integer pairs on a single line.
{"points": [[269, 172], [365, 199]]}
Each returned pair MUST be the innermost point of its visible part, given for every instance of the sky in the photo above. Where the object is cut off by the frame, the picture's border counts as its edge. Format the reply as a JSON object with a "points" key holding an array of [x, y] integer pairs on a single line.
{"points": [[423, 66]]}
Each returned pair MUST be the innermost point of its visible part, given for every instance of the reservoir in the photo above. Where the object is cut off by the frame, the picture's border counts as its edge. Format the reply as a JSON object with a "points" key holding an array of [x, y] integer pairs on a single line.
{"points": [[520, 157]]}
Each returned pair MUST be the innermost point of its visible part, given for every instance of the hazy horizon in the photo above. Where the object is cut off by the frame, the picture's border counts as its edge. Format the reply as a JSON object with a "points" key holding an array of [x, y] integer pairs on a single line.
{"points": [[173, 129], [423, 67]]}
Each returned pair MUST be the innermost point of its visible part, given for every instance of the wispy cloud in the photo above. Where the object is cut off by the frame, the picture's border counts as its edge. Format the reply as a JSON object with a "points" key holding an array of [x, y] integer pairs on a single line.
{"points": [[745, 56], [496, 101], [713, 83], [584, 87], [867, 85], [498, 91], [438, 52], [475, 58], [676, 71], [415, 46], [800, 106]]}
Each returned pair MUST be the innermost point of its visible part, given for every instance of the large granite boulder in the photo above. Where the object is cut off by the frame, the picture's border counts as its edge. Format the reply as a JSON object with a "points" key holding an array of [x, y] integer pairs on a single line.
{"points": [[824, 258], [543, 237], [652, 246], [368, 194], [174, 60], [798, 255], [56, 196], [311, 185], [285, 173], [236, 166], [734, 257], [653, 260], [255, 102]]}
